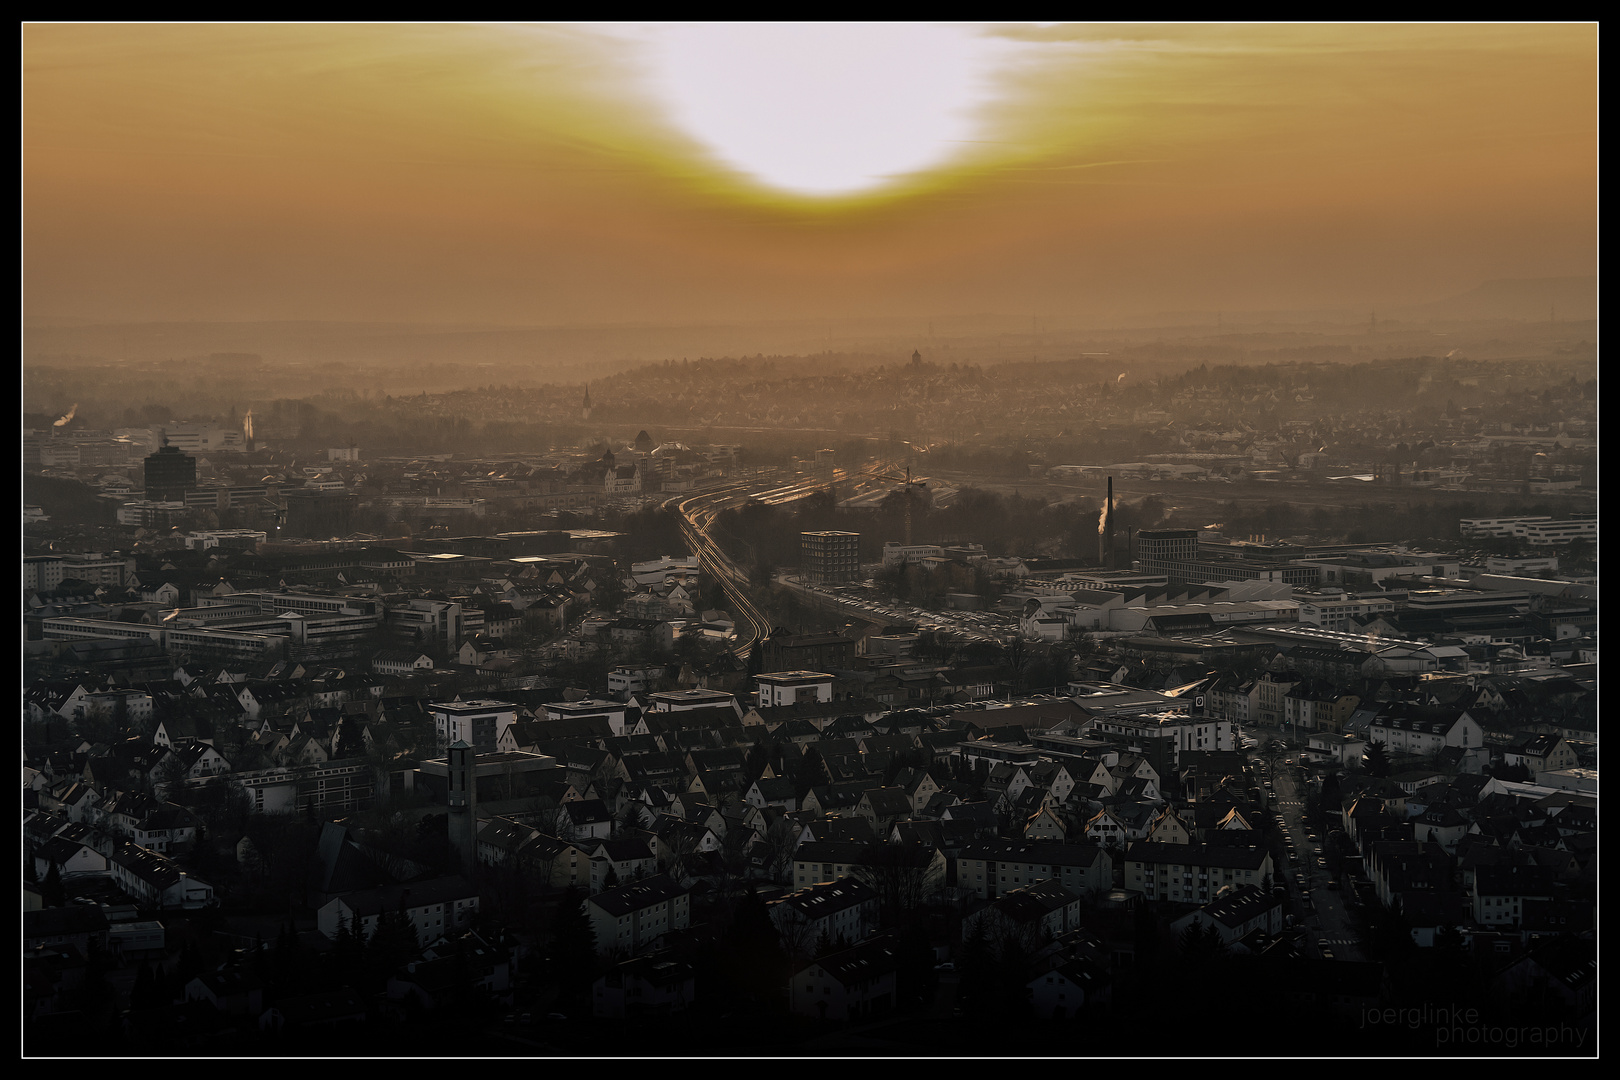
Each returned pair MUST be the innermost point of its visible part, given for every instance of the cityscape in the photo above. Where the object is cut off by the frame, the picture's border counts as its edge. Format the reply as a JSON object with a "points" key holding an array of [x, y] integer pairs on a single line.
{"points": [[527, 553]]}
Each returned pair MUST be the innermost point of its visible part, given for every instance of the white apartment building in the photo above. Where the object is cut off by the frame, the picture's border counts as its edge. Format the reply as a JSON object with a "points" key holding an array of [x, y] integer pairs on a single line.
{"points": [[1425, 733], [794, 688], [479, 724], [435, 907], [1553, 533], [1342, 613], [1496, 527], [1184, 732], [897, 554], [1539, 530], [631, 917]]}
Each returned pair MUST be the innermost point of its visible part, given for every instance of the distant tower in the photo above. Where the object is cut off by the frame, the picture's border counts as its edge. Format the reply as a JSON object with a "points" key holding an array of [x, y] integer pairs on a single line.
{"points": [[170, 472], [463, 805], [585, 410], [916, 357]]}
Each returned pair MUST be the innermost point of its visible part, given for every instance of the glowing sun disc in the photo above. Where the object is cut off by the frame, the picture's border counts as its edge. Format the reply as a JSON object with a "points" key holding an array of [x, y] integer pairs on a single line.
{"points": [[823, 109]]}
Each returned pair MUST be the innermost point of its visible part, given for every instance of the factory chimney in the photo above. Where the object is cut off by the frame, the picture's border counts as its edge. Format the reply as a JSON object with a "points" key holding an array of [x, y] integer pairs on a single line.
{"points": [[1105, 530]]}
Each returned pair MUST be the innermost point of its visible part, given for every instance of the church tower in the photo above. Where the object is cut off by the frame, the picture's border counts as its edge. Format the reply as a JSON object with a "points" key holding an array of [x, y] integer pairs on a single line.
{"points": [[463, 803], [585, 410]]}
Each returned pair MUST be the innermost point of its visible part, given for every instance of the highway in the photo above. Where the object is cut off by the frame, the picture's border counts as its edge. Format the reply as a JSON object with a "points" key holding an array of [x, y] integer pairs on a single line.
{"points": [[963, 626], [697, 517]]}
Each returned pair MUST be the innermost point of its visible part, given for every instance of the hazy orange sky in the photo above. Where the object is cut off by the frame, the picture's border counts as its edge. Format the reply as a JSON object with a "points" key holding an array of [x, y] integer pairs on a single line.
{"points": [[565, 174]]}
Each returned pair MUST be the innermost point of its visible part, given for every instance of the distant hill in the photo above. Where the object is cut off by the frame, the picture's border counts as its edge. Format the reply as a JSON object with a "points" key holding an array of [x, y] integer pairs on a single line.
{"points": [[1530, 299], [560, 353]]}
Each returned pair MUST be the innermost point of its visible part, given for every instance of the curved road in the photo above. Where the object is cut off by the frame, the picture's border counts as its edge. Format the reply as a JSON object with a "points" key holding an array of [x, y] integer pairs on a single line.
{"points": [[697, 517]]}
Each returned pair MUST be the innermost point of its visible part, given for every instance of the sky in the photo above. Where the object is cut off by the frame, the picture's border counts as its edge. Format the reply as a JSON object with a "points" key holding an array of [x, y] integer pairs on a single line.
{"points": [[683, 173]]}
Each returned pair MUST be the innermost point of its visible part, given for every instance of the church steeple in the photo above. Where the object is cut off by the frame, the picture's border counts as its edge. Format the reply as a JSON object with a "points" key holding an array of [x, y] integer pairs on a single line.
{"points": [[585, 410]]}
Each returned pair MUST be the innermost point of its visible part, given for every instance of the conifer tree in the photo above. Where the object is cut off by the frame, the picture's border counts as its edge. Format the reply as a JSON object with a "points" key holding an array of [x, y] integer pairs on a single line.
{"points": [[573, 944]]}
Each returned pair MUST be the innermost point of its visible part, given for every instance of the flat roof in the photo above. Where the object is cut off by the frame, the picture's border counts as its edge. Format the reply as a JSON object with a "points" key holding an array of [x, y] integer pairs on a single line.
{"points": [[688, 695]]}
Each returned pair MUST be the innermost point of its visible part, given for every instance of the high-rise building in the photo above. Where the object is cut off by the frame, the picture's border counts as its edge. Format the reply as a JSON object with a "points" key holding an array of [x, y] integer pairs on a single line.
{"points": [[831, 555], [170, 473], [1166, 551]]}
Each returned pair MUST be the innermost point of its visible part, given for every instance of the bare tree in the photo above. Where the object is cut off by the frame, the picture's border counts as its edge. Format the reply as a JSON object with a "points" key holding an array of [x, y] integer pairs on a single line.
{"points": [[905, 878]]}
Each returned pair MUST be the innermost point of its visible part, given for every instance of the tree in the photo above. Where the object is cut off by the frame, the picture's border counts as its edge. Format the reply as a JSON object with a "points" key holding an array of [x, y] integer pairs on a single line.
{"points": [[144, 993], [1016, 946], [1054, 668], [976, 968], [346, 962], [799, 940], [1200, 944], [812, 773], [287, 967], [96, 998], [627, 818], [573, 945], [170, 773], [223, 805], [829, 943], [780, 835], [914, 966], [51, 890], [1515, 773], [1330, 797], [608, 594], [1579, 554], [99, 724], [762, 576], [1392, 934], [393, 943], [1375, 759], [1146, 934], [752, 959], [905, 877], [934, 647]]}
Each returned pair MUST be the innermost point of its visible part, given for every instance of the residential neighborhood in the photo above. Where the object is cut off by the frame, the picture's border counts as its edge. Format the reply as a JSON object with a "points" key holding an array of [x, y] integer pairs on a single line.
{"points": [[619, 812]]}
